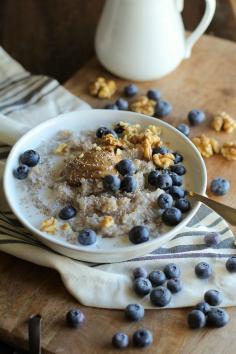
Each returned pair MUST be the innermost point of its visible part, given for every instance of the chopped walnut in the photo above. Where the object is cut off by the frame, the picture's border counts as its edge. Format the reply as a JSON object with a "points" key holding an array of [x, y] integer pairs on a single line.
{"points": [[132, 134], [228, 150], [111, 141], [143, 105], [223, 122], [49, 225], [65, 227], [102, 88], [163, 161], [61, 149], [206, 146], [147, 149], [106, 221]]}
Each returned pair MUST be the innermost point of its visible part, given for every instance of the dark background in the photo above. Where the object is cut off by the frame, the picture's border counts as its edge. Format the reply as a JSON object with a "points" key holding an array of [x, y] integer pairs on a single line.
{"points": [[55, 37]]}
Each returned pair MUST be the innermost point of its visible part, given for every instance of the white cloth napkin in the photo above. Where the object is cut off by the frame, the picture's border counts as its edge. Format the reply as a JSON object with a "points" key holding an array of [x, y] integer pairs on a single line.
{"points": [[107, 285]]}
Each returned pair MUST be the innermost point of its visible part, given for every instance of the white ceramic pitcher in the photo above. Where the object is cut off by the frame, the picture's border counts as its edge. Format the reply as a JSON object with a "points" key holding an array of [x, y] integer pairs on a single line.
{"points": [[145, 39]]}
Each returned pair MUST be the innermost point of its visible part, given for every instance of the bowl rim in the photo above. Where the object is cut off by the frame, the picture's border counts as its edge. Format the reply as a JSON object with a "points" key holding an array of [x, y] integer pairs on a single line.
{"points": [[62, 243]]}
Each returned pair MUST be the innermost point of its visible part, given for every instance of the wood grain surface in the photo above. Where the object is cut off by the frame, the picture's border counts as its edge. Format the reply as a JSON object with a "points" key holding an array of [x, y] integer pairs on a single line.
{"points": [[206, 81]]}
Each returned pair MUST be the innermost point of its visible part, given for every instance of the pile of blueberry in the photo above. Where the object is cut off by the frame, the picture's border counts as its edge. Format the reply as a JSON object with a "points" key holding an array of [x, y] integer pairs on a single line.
{"points": [[28, 159]]}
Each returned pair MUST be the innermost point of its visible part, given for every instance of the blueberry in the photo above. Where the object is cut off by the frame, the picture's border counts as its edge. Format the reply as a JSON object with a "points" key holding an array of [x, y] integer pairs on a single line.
{"points": [[87, 237], [184, 129], [67, 212], [183, 205], [162, 109], [130, 90], [196, 319], [142, 286], [119, 129], [30, 158], [111, 183], [128, 184], [220, 186], [126, 167], [165, 201], [174, 285], [120, 340], [196, 117], [178, 157], [104, 131], [213, 297], [164, 181], [176, 192], [176, 179], [212, 239], [217, 317], [21, 172], [112, 106], [122, 104], [231, 264], [152, 177], [157, 277], [75, 318], [204, 307], [172, 216], [134, 312], [139, 234], [154, 94], [140, 272], [203, 270], [160, 150], [142, 338], [179, 169], [171, 270], [160, 296]]}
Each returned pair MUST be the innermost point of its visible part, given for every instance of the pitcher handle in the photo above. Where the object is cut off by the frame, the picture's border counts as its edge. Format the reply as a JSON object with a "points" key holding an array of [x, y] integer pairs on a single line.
{"points": [[205, 21]]}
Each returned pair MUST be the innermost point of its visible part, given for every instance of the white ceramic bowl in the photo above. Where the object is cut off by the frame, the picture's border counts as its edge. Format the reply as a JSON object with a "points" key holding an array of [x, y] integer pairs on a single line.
{"points": [[91, 120]]}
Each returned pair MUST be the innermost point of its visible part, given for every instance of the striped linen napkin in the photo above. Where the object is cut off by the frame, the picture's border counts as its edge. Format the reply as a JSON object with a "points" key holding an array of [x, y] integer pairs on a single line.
{"points": [[27, 101]]}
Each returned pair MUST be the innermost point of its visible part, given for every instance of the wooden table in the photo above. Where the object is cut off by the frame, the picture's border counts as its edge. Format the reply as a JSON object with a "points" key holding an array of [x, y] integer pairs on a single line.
{"points": [[206, 81]]}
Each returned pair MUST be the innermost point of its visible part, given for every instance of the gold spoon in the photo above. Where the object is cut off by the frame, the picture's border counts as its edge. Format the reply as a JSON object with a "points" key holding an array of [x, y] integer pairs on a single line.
{"points": [[227, 212]]}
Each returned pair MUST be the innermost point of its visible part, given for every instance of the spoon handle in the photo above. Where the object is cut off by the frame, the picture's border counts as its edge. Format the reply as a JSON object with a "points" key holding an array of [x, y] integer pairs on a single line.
{"points": [[227, 212]]}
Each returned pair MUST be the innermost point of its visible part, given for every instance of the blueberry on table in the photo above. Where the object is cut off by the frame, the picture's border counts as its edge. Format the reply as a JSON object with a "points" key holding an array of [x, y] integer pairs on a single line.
{"points": [[184, 129], [122, 104], [220, 186], [183, 205], [140, 272], [178, 158], [162, 109], [111, 183], [204, 307], [142, 286], [30, 158], [160, 296], [172, 216], [128, 184], [176, 192], [139, 234], [119, 129], [217, 317], [152, 177], [75, 318], [142, 338], [154, 94], [157, 277], [196, 319], [160, 150], [231, 264], [134, 312], [212, 239], [213, 297], [68, 212], [176, 179], [179, 169], [165, 201], [130, 90], [203, 270], [120, 340], [105, 131], [164, 181], [126, 167], [21, 172], [172, 270], [196, 117], [87, 237], [174, 285]]}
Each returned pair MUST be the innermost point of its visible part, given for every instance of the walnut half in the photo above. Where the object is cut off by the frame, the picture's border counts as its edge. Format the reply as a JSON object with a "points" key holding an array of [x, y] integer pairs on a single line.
{"points": [[206, 146], [143, 105], [49, 225], [223, 122], [228, 150], [102, 88], [163, 161]]}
